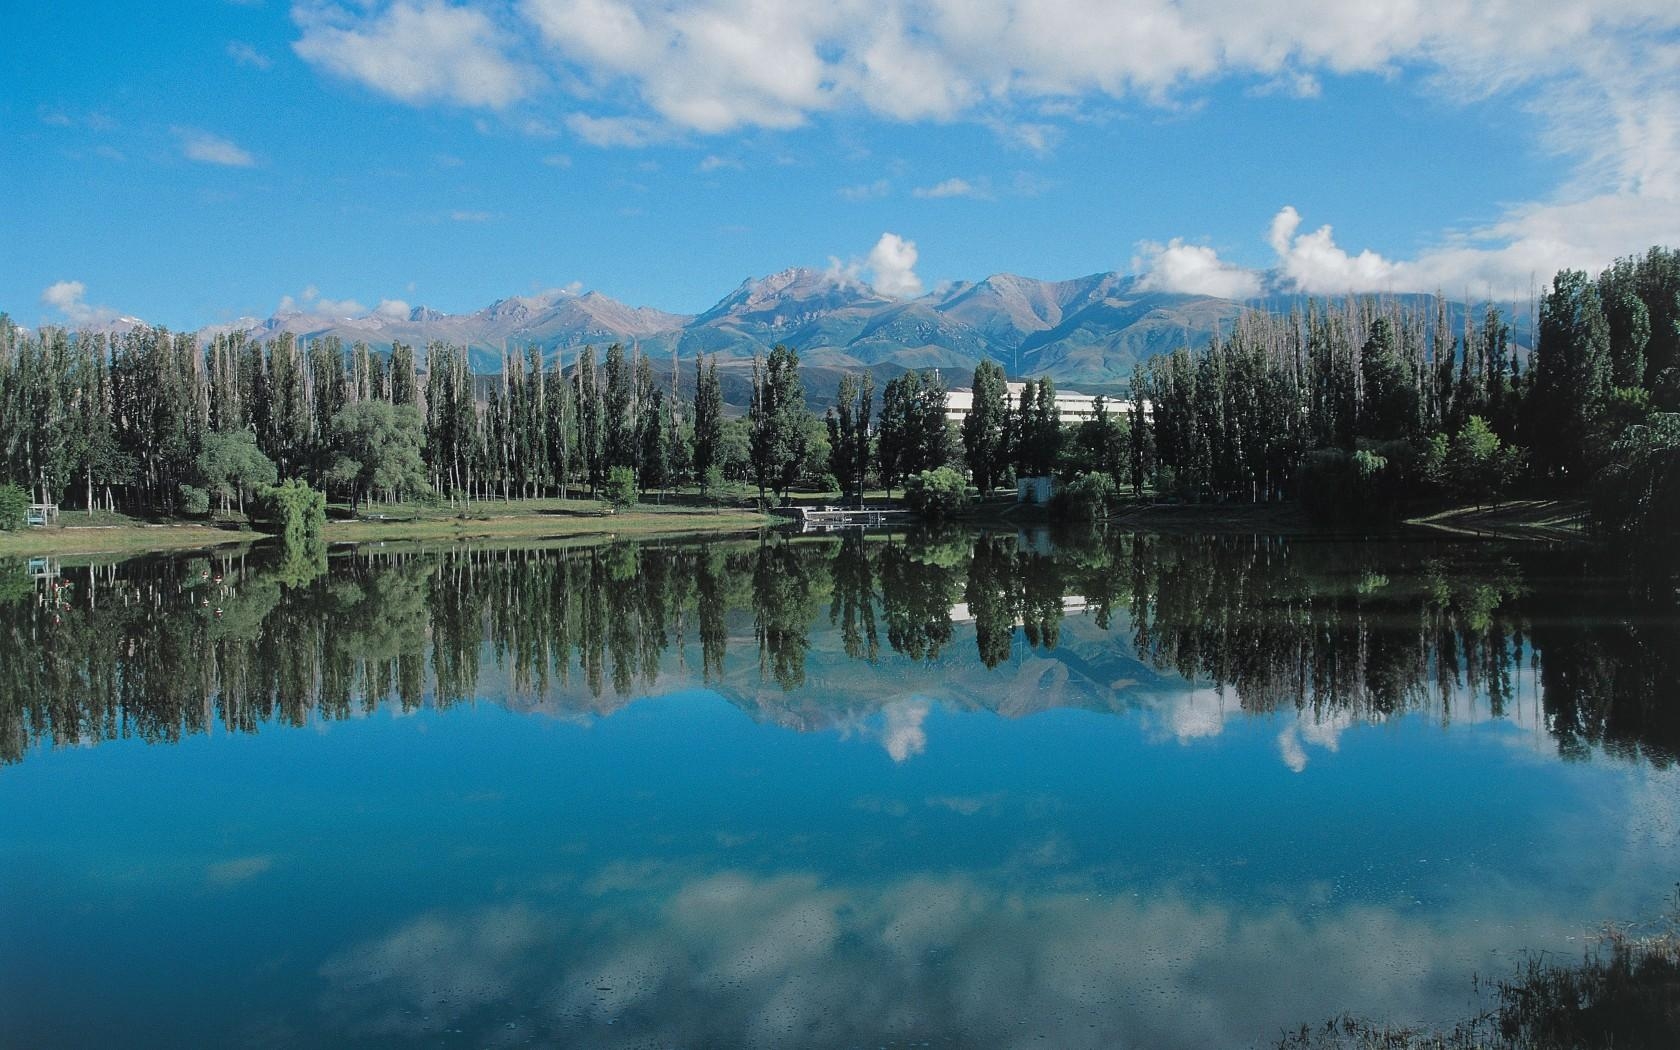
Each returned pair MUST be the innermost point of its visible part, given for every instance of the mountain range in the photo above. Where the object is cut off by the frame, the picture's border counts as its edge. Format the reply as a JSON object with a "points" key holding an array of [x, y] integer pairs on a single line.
{"points": [[1086, 333]]}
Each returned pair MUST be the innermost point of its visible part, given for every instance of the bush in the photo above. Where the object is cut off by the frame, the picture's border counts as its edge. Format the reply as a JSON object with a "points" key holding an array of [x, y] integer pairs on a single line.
{"points": [[1638, 495], [1085, 498], [292, 509], [194, 500], [936, 494], [621, 487], [1341, 487], [14, 507]]}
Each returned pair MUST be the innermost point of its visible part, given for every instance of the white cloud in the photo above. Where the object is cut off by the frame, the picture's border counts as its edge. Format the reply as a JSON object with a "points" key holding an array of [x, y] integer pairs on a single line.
{"points": [[866, 191], [712, 162], [70, 299], [338, 308], [460, 215], [246, 55], [206, 148], [1032, 136], [1314, 263], [1603, 82], [414, 50], [310, 301], [558, 160], [1193, 269], [892, 267], [953, 187], [607, 132]]}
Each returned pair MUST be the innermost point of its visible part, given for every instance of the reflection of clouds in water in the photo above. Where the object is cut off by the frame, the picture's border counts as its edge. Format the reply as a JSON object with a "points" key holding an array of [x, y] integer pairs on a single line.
{"points": [[896, 725], [903, 735], [1196, 713], [1654, 810], [1318, 728], [435, 967], [740, 959], [239, 869]]}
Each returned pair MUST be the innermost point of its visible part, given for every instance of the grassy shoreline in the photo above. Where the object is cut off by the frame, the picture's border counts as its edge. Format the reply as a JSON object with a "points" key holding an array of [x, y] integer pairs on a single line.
{"points": [[530, 520]]}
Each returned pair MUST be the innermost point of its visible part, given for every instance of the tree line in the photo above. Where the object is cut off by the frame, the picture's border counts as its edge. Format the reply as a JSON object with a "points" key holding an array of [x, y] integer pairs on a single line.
{"points": [[152, 421], [1356, 406], [1351, 407]]}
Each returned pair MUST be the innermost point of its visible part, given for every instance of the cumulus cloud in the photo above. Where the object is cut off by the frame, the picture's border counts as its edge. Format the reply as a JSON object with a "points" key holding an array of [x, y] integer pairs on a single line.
{"points": [[392, 309], [1193, 269], [953, 187], [70, 299], [1314, 263], [892, 267], [206, 148], [414, 50], [712, 162]]}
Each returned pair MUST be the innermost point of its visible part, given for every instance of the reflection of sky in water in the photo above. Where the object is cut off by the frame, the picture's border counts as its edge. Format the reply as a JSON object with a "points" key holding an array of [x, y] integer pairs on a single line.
{"points": [[680, 874]]}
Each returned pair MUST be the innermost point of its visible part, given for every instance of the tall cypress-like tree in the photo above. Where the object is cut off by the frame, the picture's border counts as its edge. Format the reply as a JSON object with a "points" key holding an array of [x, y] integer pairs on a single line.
{"points": [[848, 434], [984, 429], [1572, 374], [779, 422], [590, 420], [708, 419]]}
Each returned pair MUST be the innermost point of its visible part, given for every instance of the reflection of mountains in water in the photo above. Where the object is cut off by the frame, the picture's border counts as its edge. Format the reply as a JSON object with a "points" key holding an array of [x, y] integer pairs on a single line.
{"points": [[851, 633]]}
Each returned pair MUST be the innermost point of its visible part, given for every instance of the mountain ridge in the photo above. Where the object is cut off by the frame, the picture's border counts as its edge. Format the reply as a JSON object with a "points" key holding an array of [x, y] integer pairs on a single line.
{"points": [[1088, 331]]}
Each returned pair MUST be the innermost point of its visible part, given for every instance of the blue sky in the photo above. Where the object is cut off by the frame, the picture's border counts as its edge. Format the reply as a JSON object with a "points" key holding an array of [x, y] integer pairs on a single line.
{"points": [[189, 163]]}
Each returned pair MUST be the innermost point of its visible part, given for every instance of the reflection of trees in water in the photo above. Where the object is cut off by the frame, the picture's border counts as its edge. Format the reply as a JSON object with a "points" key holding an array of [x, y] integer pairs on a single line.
{"points": [[159, 648]]}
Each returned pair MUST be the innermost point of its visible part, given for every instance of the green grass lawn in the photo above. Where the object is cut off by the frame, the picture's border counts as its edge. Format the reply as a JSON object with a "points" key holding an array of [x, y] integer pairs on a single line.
{"points": [[78, 533]]}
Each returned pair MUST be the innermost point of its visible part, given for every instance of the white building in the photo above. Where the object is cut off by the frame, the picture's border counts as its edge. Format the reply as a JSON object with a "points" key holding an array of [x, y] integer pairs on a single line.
{"points": [[1071, 406]]}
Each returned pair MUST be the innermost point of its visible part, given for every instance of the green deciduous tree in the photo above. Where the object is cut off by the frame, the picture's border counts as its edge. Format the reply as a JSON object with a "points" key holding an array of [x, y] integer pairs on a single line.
{"points": [[231, 466], [376, 451], [779, 422]]}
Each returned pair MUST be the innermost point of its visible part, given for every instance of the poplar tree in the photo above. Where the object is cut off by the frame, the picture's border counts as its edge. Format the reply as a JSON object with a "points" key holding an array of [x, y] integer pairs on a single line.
{"points": [[848, 434], [984, 429], [779, 421], [708, 419]]}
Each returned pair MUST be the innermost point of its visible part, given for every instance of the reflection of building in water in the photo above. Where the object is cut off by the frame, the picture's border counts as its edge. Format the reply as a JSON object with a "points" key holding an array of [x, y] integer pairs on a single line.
{"points": [[1071, 406], [1072, 605]]}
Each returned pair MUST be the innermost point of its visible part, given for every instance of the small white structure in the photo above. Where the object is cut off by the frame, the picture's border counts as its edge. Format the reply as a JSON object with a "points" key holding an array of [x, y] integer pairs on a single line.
{"points": [[1071, 406], [1034, 490], [42, 514]]}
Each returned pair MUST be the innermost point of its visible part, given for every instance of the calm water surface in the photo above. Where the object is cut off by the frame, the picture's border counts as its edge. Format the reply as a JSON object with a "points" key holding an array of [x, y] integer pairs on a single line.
{"points": [[947, 789]]}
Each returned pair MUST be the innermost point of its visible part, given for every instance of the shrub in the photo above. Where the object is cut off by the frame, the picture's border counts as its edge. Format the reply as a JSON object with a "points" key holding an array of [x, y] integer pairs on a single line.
{"points": [[1638, 495], [1085, 498], [194, 500], [14, 507], [621, 487], [935, 494], [293, 509]]}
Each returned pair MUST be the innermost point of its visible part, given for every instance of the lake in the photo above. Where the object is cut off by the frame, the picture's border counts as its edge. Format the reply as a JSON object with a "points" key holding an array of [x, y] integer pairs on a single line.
{"points": [[948, 788]]}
